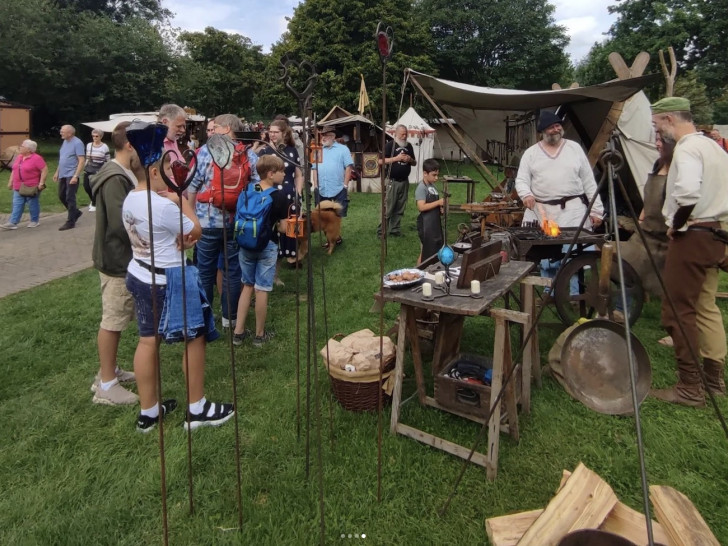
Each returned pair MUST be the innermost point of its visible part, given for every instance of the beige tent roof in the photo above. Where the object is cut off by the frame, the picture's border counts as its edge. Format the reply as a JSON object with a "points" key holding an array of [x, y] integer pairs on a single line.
{"points": [[482, 113]]}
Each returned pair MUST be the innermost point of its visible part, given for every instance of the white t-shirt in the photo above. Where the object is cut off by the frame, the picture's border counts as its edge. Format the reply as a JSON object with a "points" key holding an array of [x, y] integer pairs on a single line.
{"points": [[165, 217]]}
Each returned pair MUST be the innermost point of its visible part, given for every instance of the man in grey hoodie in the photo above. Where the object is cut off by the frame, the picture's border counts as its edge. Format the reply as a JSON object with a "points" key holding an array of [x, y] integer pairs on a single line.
{"points": [[111, 255]]}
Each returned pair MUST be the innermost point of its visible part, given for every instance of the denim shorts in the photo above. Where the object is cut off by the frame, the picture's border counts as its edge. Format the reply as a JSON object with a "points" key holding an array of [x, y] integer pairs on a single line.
{"points": [[259, 268], [142, 294]]}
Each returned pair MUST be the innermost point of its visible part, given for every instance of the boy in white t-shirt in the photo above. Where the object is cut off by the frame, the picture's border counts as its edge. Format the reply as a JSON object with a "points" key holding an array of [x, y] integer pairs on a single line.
{"points": [[163, 262]]}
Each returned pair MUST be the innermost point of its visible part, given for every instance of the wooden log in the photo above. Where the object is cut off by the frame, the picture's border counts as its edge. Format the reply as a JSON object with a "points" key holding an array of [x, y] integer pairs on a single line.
{"points": [[508, 530], [631, 524], [680, 519], [584, 502]]}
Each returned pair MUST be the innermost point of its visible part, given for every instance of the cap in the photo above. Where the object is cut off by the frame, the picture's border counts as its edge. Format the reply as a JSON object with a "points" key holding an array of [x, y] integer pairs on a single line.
{"points": [[671, 104]]}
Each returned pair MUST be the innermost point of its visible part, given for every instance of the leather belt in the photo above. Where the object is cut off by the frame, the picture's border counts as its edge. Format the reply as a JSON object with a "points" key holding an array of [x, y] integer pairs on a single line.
{"points": [[562, 202], [149, 268]]}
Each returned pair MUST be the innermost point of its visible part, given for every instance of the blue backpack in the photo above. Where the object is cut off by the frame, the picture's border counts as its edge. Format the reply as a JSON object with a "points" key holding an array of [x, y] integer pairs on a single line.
{"points": [[252, 222]]}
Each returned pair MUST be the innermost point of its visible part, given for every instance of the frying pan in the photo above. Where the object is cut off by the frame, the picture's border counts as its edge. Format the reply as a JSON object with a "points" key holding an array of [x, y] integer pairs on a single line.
{"points": [[596, 368], [595, 361]]}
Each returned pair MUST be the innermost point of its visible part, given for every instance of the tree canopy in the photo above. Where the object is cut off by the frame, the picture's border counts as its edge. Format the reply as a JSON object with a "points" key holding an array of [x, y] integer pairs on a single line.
{"points": [[694, 28], [493, 43], [75, 60]]}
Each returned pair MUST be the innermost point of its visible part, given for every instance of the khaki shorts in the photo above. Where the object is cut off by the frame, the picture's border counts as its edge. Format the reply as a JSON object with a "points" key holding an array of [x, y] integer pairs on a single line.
{"points": [[117, 305]]}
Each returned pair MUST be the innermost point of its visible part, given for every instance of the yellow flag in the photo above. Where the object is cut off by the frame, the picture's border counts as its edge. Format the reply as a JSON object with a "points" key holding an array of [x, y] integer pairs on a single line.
{"points": [[363, 97]]}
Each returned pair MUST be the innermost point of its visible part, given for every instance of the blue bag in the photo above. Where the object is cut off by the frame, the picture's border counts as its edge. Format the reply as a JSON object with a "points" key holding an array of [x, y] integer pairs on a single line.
{"points": [[252, 218]]}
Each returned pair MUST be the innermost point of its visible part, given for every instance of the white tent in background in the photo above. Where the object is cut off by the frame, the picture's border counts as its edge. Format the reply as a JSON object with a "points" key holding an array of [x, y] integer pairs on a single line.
{"points": [[420, 135]]}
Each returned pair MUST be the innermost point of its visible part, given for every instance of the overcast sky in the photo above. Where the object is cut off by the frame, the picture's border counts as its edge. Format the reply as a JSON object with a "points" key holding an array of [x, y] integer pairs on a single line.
{"points": [[263, 21]]}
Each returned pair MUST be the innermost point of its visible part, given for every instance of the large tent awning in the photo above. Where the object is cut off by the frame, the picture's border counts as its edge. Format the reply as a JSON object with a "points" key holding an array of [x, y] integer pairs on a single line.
{"points": [[450, 93], [501, 122]]}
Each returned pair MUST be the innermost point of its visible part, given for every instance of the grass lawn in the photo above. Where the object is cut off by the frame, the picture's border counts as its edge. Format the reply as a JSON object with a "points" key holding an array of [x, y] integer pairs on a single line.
{"points": [[76, 473]]}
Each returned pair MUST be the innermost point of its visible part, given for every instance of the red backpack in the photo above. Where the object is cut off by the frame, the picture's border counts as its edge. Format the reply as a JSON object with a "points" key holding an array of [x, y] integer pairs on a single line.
{"points": [[235, 179]]}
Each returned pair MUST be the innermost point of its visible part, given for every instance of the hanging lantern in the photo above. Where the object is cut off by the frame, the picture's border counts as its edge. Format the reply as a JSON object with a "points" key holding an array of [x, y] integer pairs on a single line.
{"points": [[315, 153]]}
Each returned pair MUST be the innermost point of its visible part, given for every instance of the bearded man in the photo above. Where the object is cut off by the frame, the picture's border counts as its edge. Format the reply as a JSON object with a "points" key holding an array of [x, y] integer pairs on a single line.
{"points": [[696, 214], [400, 156], [554, 179]]}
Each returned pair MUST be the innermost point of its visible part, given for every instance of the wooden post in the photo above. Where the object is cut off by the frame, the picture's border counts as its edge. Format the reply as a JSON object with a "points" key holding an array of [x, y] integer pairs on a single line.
{"points": [[484, 171]]}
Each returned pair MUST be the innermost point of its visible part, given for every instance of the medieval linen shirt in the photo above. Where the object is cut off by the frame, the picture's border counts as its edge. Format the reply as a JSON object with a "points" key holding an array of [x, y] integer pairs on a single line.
{"points": [[549, 178], [698, 176]]}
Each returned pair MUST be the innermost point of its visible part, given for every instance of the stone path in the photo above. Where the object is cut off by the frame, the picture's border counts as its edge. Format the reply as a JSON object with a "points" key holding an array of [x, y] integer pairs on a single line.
{"points": [[30, 257]]}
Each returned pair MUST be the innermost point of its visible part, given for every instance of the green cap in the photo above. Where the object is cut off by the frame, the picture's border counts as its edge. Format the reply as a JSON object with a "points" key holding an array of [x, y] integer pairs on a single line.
{"points": [[671, 104]]}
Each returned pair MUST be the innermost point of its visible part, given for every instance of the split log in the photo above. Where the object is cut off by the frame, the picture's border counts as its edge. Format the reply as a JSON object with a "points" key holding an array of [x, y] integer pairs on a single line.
{"points": [[681, 520], [584, 502], [508, 530], [631, 524]]}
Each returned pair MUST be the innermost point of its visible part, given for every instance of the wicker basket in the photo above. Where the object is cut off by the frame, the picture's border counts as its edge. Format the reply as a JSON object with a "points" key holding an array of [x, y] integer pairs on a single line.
{"points": [[359, 391]]}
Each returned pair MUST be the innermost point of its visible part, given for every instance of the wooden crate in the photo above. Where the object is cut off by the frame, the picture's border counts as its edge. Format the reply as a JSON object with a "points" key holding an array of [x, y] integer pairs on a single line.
{"points": [[464, 397]]}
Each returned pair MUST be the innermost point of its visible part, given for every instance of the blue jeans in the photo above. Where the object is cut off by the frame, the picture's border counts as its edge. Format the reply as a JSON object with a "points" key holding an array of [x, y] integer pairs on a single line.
{"points": [[209, 251], [19, 206], [342, 198], [142, 294]]}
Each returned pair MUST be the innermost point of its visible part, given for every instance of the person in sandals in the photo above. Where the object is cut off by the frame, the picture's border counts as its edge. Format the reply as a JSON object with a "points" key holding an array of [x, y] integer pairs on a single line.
{"points": [[167, 266]]}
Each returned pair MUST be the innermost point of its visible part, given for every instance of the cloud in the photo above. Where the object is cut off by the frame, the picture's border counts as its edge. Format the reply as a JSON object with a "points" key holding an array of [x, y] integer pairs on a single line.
{"points": [[262, 22]]}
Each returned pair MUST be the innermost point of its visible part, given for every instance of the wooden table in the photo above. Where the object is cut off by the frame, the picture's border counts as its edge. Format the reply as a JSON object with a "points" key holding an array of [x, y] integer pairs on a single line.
{"points": [[453, 310], [469, 190]]}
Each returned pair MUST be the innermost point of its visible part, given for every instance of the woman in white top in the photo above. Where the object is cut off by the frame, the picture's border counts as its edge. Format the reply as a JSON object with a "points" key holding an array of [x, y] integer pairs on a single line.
{"points": [[97, 153]]}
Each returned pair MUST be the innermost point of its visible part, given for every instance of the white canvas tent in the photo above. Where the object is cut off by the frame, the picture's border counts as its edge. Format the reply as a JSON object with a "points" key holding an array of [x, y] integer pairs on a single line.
{"points": [[506, 117], [108, 125], [420, 135]]}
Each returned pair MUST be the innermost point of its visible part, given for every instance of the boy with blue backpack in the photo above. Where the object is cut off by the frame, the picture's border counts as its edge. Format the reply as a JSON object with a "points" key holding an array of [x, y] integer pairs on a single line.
{"points": [[261, 214]]}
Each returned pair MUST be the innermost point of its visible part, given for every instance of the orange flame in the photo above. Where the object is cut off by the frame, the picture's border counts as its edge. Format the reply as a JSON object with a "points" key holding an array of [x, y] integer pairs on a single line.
{"points": [[551, 228]]}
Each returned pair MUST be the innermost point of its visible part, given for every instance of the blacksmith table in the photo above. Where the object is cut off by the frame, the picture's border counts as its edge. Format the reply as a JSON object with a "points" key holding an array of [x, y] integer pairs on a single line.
{"points": [[453, 310]]}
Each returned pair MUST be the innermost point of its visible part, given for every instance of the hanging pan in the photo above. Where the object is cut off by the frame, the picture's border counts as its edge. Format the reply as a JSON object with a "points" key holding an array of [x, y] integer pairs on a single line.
{"points": [[595, 362]]}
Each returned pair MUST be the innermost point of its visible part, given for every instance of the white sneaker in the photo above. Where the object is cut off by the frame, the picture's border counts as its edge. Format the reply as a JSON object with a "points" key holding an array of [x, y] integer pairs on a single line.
{"points": [[33, 224], [226, 323], [115, 396], [91, 208], [123, 376], [8, 225]]}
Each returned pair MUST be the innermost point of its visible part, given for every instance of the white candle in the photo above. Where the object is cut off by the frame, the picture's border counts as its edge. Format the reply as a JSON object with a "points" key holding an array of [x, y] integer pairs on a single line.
{"points": [[427, 290], [439, 277], [475, 287]]}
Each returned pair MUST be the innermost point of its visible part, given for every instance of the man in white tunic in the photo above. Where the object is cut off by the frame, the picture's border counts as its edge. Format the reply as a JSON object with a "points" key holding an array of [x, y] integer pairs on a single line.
{"points": [[555, 181], [696, 213]]}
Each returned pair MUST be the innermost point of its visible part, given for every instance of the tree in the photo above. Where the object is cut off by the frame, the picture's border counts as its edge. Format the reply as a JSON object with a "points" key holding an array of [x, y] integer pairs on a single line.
{"points": [[119, 10], [694, 28], [691, 88], [337, 36], [220, 72], [115, 67], [497, 43]]}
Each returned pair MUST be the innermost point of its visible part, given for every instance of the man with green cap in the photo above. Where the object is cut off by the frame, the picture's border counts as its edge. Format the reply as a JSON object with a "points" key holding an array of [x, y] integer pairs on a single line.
{"points": [[696, 204]]}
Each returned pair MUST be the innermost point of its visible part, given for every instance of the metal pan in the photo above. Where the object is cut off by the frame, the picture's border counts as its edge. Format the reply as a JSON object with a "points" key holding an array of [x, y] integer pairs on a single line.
{"points": [[596, 367]]}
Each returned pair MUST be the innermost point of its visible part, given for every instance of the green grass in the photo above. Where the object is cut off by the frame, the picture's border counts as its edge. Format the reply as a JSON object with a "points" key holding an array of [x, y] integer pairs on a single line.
{"points": [[76, 473]]}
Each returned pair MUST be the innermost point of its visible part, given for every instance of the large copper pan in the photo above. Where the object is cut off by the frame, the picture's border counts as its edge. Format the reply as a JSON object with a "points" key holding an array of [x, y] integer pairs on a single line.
{"points": [[596, 367]]}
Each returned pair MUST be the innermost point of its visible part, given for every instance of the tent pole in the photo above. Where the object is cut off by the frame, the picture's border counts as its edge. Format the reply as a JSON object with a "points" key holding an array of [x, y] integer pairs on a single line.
{"points": [[487, 175], [605, 131]]}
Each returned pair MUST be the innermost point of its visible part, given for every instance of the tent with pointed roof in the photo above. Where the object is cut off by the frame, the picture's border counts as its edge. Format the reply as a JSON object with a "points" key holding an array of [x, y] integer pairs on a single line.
{"points": [[420, 135]]}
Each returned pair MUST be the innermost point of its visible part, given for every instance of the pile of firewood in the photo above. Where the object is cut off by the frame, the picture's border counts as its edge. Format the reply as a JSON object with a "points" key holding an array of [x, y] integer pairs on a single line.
{"points": [[585, 501]]}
